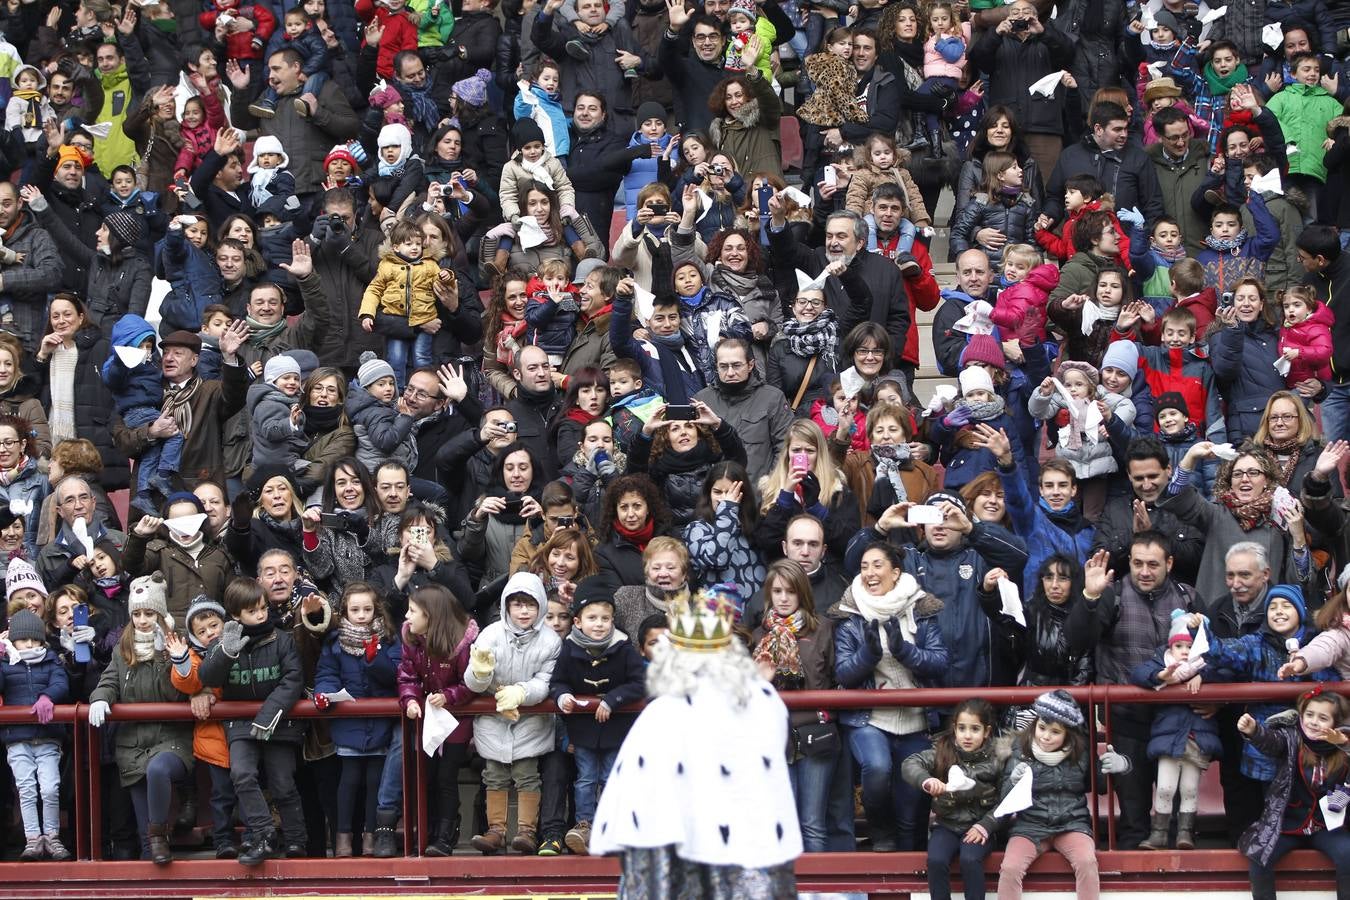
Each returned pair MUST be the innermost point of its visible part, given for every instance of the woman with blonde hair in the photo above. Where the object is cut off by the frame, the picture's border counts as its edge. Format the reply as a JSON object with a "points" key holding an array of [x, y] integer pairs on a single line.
{"points": [[805, 479], [1290, 434], [665, 566]]}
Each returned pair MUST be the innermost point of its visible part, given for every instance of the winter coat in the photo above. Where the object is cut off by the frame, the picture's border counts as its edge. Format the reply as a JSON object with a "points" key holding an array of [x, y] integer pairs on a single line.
{"points": [[22, 683], [751, 139], [1018, 64], [243, 45], [419, 676], [1014, 217], [533, 102], [618, 675], [970, 179], [1177, 182], [1312, 339], [193, 278], [527, 660], [550, 327], [620, 562], [1061, 245], [1058, 797], [247, 545], [93, 404], [1224, 269], [1189, 372], [340, 557], [516, 173], [115, 285], [1115, 530], [338, 670], [135, 744], [1304, 113], [21, 400], [598, 74], [1282, 743], [1186, 69], [402, 289], [488, 543], [27, 486], [1093, 457], [681, 475], [135, 388], [28, 283], [1177, 723], [962, 461], [1020, 310], [645, 169], [959, 811], [1244, 364], [1126, 174], [1330, 649], [400, 32], [1046, 654], [868, 178], [755, 303], [1044, 531], [307, 139], [855, 664], [208, 738], [275, 440], [719, 552], [759, 418], [267, 669], [381, 431], [184, 577]]}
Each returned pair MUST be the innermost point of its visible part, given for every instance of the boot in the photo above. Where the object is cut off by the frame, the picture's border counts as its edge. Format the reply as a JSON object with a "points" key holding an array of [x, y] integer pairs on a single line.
{"points": [[1157, 836], [935, 139], [262, 108], [367, 844], [580, 250], [527, 818], [158, 840], [259, 848], [491, 842], [446, 836], [1186, 831], [385, 845], [342, 847]]}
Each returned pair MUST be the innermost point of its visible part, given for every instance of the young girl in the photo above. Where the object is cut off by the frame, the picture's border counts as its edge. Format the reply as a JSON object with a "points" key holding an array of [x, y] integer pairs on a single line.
{"points": [[63, 634], [187, 261], [539, 100], [1331, 648], [944, 60], [1088, 318], [586, 399], [437, 635], [876, 161], [151, 757], [718, 538], [1004, 205], [1305, 339], [1084, 447], [745, 23], [1312, 779], [268, 177], [653, 151], [965, 822], [953, 433], [28, 109], [844, 420], [553, 309], [361, 657], [203, 116], [1054, 752]]}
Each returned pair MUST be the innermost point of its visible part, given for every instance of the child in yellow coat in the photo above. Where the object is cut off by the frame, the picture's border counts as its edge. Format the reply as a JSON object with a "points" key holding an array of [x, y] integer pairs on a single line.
{"points": [[401, 301]]}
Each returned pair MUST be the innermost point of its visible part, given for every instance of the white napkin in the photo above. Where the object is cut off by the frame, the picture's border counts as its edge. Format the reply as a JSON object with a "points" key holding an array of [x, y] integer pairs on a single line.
{"points": [[644, 303], [1282, 503], [341, 696], [958, 780], [437, 724], [529, 233], [1268, 183], [131, 357], [851, 382], [976, 320], [807, 283], [20, 506], [1334, 820], [100, 130], [81, 529], [1018, 799], [1012, 601], [704, 204], [1214, 15], [1092, 418], [1046, 86], [1148, 20], [922, 514], [714, 325], [1200, 646], [1272, 35], [1283, 365], [1225, 451], [801, 198], [1291, 644], [186, 526], [1155, 69]]}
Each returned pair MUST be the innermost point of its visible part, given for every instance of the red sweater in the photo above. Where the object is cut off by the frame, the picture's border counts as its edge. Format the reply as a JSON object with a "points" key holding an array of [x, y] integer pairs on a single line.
{"points": [[399, 33]]}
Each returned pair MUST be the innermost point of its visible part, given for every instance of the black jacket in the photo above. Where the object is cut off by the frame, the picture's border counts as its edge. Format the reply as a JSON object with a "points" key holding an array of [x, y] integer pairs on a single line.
{"points": [[1043, 646], [1127, 175], [267, 669], [77, 210], [94, 408], [691, 79], [1016, 65], [532, 415], [1115, 530], [618, 676], [786, 370], [620, 562], [596, 165]]}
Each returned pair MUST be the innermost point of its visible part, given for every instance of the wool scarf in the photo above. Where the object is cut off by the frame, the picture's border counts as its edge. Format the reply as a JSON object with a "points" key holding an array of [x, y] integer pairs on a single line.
{"points": [[1251, 513], [639, 538], [507, 343], [780, 642], [178, 403], [1049, 757], [1286, 453], [1172, 255], [983, 410], [1094, 312], [143, 645], [61, 378], [814, 338], [592, 646], [660, 597], [889, 459], [1226, 245], [353, 638], [898, 602], [259, 334], [1222, 84]]}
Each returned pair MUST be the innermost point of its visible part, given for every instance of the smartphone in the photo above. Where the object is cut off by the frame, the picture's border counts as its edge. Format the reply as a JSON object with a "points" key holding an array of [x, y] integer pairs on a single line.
{"points": [[420, 534], [830, 176], [680, 412], [333, 520], [801, 461], [461, 182], [81, 619], [764, 193]]}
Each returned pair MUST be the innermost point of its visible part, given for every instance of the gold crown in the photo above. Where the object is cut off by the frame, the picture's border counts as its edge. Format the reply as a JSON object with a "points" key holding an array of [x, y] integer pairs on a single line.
{"points": [[702, 622]]}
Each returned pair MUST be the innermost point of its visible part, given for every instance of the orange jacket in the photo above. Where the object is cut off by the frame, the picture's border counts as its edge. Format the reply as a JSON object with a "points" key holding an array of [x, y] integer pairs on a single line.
{"points": [[208, 738]]}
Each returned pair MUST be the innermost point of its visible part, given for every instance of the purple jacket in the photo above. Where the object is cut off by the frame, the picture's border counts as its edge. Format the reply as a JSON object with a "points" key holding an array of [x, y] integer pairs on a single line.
{"points": [[419, 675]]}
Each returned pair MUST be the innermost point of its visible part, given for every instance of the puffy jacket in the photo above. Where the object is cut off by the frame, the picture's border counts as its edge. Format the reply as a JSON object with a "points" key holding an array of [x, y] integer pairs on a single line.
{"points": [[1018, 65], [194, 280], [275, 440], [720, 552], [618, 676], [136, 743], [959, 810], [970, 179], [267, 669], [528, 660], [1304, 113], [962, 461], [339, 670], [402, 289], [22, 683], [1174, 724], [620, 562], [419, 675], [208, 738], [1284, 743], [1244, 364], [1312, 339], [1091, 458], [1020, 310], [1224, 269], [243, 45], [551, 328], [1188, 372], [138, 387], [1058, 797], [1014, 218], [381, 431], [645, 169], [1048, 657], [547, 112]]}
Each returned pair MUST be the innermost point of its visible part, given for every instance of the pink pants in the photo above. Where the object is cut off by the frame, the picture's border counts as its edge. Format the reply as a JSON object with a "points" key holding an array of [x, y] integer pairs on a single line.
{"points": [[1079, 849]]}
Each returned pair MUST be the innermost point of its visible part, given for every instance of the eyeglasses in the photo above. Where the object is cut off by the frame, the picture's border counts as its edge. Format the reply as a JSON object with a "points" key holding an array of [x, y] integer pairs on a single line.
{"points": [[875, 352], [5, 445], [1247, 474], [713, 36], [1282, 417], [807, 303], [731, 367], [418, 394]]}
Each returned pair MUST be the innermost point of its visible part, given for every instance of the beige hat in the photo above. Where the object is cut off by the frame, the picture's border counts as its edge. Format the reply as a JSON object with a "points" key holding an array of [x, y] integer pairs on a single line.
{"points": [[1159, 88]]}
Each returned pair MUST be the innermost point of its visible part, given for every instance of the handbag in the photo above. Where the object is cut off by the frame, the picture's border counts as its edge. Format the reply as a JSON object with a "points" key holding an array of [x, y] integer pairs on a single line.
{"points": [[819, 738]]}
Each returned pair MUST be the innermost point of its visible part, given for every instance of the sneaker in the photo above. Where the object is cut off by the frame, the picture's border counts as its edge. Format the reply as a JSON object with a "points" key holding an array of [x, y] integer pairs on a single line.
{"points": [[302, 107], [579, 839], [227, 851], [1213, 197], [262, 109], [550, 847], [55, 850], [32, 851], [909, 266], [578, 50]]}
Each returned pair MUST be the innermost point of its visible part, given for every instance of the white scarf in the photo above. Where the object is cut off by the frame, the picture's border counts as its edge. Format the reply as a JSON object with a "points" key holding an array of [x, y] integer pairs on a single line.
{"points": [[61, 375], [1049, 757], [1094, 312], [898, 602]]}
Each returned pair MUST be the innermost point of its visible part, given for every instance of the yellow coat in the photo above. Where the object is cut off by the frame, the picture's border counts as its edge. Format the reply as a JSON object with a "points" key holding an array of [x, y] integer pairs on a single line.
{"points": [[402, 289]]}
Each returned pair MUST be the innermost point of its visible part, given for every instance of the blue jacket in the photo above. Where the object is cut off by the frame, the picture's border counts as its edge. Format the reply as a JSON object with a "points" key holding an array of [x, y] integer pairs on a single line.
{"points": [[964, 464], [642, 172], [855, 663], [978, 654], [1244, 364], [309, 44], [624, 344], [31, 485], [1173, 724], [551, 328], [338, 669], [547, 112], [22, 683], [143, 385], [194, 279], [1046, 533]]}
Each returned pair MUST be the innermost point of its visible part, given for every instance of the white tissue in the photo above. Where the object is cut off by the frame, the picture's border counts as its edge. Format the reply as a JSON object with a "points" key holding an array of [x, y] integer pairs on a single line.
{"points": [[799, 197], [1214, 15], [958, 780], [1272, 35], [186, 526], [1018, 799], [529, 233], [1282, 365], [1046, 86], [437, 725], [851, 382], [131, 357], [1012, 601], [644, 303], [1225, 451], [976, 320], [1268, 183]]}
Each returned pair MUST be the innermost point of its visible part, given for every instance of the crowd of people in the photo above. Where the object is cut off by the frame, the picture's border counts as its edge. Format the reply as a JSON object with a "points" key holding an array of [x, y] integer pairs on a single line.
{"points": [[441, 347]]}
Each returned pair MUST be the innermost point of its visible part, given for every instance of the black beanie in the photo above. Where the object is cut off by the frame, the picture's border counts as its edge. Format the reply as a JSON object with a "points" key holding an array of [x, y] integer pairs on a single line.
{"points": [[525, 131]]}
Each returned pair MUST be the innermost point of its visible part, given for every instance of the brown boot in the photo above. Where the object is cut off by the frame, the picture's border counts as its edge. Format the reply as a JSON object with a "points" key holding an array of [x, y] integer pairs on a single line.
{"points": [[342, 848], [158, 840], [527, 818], [1186, 831], [1157, 836], [367, 844], [491, 842]]}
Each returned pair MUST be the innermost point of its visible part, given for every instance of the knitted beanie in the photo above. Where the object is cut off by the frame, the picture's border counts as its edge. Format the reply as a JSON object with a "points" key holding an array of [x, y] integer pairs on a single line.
{"points": [[125, 226], [473, 90], [1179, 630], [983, 348], [1173, 400], [204, 604], [67, 153], [1058, 706], [20, 576], [26, 624], [278, 366], [150, 592], [975, 378], [526, 131], [946, 497], [591, 590], [341, 151], [1122, 355], [372, 369]]}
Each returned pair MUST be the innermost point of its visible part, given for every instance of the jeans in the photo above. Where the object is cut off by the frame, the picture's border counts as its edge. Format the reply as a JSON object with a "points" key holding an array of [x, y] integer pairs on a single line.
{"points": [[396, 354], [1336, 413], [152, 794], [558, 771], [810, 777], [222, 806], [944, 845], [839, 819], [1335, 844], [592, 770], [247, 757], [1078, 848], [161, 458], [390, 796], [313, 84], [37, 768], [893, 807]]}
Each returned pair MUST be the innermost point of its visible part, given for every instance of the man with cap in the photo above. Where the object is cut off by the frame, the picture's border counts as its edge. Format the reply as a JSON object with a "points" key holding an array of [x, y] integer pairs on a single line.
{"points": [[30, 268], [612, 54], [958, 560], [57, 196], [81, 527], [195, 408]]}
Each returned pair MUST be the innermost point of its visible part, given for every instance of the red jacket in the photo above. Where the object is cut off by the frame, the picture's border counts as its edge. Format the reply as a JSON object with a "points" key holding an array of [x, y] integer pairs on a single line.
{"points": [[419, 675], [1061, 245], [243, 44], [924, 294], [1020, 308], [1312, 339], [399, 33], [1201, 305]]}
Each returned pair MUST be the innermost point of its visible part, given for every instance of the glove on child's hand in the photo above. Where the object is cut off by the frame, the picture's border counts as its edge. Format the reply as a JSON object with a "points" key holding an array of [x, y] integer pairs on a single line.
{"points": [[1115, 764], [481, 662], [233, 640], [510, 697]]}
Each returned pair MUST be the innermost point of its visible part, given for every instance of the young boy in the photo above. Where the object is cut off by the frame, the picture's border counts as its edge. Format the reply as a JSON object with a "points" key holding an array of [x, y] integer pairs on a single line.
{"points": [[1303, 109], [205, 620], [1178, 434], [254, 660], [138, 392], [382, 432], [1082, 194], [557, 771], [514, 658], [1153, 259], [669, 363], [298, 33], [31, 675], [650, 633], [1210, 96], [1181, 366], [277, 415], [401, 300], [215, 319], [596, 659], [553, 308], [632, 403], [1230, 253]]}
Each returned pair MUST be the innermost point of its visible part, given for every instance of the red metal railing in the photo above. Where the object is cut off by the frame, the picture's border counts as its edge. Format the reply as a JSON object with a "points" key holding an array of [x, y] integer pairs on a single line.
{"points": [[88, 745]]}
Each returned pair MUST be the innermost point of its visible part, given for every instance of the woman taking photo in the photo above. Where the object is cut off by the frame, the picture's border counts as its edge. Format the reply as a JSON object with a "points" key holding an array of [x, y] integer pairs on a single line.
{"points": [[502, 513], [423, 559], [336, 554], [1243, 347], [677, 455], [265, 516], [795, 650], [890, 640], [77, 401], [806, 480], [632, 513]]}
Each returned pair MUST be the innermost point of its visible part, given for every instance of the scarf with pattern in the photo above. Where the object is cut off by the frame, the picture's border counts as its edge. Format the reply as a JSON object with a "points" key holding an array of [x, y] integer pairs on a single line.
{"points": [[780, 642], [1226, 245], [1292, 449], [807, 339], [889, 459], [178, 403], [353, 638], [1250, 513]]}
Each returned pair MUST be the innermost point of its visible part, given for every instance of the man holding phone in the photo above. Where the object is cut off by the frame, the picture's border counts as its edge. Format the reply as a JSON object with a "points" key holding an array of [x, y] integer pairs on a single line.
{"points": [[758, 412]]}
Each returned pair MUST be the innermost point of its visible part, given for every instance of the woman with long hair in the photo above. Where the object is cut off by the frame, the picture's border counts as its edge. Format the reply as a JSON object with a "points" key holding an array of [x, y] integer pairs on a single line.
{"points": [[997, 133], [745, 113], [266, 516], [720, 548], [330, 434], [806, 479], [502, 513], [335, 550], [888, 472], [504, 329], [571, 239], [586, 400]]}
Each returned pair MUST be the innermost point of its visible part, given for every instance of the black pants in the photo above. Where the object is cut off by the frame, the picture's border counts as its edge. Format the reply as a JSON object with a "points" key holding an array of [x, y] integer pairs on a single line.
{"points": [[1243, 797], [222, 806], [317, 781], [1134, 792], [247, 759], [443, 787], [558, 770], [357, 790]]}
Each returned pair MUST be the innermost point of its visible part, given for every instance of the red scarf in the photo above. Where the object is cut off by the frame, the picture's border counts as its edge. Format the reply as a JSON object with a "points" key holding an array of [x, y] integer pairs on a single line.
{"points": [[641, 537], [602, 311], [580, 416], [507, 345]]}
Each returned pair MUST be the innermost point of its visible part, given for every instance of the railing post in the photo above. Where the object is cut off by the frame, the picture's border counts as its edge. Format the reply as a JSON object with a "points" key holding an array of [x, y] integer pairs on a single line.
{"points": [[80, 753], [94, 747], [411, 750]]}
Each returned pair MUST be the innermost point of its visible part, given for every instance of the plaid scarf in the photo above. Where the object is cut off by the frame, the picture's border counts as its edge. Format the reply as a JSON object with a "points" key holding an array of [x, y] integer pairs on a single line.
{"points": [[889, 458], [807, 339], [1250, 513]]}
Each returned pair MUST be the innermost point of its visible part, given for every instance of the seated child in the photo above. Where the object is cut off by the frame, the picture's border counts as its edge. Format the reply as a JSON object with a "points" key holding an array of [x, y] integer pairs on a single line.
{"points": [[401, 300], [277, 416], [267, 173], [1086, 449], [138, 393], [1082, 194], [978, 404], [553, 309], [299, 33], [539, 101], [875, 162], [532, 163], [1003, 204]]}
